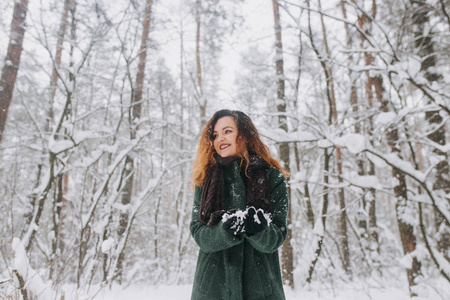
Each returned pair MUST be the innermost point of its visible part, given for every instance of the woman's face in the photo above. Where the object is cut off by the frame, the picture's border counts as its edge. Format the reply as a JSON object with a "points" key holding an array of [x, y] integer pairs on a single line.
{"points": [[224, 137]]}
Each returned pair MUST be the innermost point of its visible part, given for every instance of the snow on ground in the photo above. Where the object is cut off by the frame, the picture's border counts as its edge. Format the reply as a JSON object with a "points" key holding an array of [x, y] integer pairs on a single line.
{"points": [[183, 292]]}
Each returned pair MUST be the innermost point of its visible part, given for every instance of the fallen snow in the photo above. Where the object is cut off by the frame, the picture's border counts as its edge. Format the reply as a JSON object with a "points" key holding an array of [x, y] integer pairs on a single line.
{"points": [[183, 292]]}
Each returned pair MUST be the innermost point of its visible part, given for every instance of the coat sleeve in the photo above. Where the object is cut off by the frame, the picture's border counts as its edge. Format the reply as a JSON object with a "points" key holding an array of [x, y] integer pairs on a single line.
{"points": [[271, 238], [209, 238]]}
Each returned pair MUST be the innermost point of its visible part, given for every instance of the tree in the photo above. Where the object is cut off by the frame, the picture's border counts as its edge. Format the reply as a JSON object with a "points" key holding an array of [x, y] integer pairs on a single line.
{"points": [[366, 218], [12, 60], [99, 159], [62, 179], [134, 119], [328, 70], [287, 255], [375, 89], [198, 63], [425, 47]]}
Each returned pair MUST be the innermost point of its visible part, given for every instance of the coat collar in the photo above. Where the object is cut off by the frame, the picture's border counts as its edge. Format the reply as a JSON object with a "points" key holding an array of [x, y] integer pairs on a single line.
{"points": [[231, 172]]}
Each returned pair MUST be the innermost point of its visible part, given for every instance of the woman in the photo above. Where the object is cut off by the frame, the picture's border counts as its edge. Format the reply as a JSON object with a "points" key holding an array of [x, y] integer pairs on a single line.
{"points": [[239, 212]]}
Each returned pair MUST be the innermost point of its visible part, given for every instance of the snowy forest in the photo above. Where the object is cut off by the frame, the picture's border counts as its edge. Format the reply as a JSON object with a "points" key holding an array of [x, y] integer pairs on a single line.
{"points": [[102, 105]]}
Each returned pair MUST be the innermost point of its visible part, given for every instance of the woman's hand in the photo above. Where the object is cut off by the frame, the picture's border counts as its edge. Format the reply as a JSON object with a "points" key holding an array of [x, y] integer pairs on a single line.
{"points": [[233, 222], [255, 220], [250, 221]]}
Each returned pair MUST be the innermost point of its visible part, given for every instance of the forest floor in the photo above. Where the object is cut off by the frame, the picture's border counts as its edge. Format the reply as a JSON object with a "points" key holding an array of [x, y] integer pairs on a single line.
{"points": [[183, 292]]}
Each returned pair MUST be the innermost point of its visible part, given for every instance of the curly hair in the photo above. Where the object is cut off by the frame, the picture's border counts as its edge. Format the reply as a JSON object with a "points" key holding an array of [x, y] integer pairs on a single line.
{"points": [[247, 142]]}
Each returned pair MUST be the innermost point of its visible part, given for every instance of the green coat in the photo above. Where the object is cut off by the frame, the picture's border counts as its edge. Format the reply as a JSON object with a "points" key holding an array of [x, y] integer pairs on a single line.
{"points": [[240, 267]]}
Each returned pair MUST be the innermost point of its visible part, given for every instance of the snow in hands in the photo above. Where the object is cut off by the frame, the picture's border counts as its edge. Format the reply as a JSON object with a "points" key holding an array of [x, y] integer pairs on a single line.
{"points": [[242, 217]]}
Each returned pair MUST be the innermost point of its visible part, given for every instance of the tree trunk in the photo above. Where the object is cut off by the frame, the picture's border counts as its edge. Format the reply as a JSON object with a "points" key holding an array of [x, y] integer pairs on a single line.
{"points": [[198, 73], [375, 87], [366, 215], [407, 235], [59, 204], [57, 134], [62, 179], [137, 106], [104, 256], [135, 115], [287, 255], [370, 198], [12, 60], [326, 168], [127, 181], [57, 60], [343, 236], [425, 47]]}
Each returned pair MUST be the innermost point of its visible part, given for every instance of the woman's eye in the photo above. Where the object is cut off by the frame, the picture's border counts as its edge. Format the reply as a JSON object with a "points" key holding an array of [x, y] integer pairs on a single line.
{"points": [[228, 131], [214, 136]]}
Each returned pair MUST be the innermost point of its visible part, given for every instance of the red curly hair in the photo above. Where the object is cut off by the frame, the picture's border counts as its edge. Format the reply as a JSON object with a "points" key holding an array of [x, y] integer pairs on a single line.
{"points": [[247, 142]]}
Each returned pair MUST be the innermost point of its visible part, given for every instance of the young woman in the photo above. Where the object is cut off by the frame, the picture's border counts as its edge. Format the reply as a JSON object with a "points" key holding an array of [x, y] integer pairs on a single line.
{"points": [[239, 212]]}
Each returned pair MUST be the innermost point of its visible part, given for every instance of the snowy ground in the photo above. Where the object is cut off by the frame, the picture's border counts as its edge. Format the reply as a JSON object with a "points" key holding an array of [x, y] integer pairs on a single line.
{"points": [[183, 292]]}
